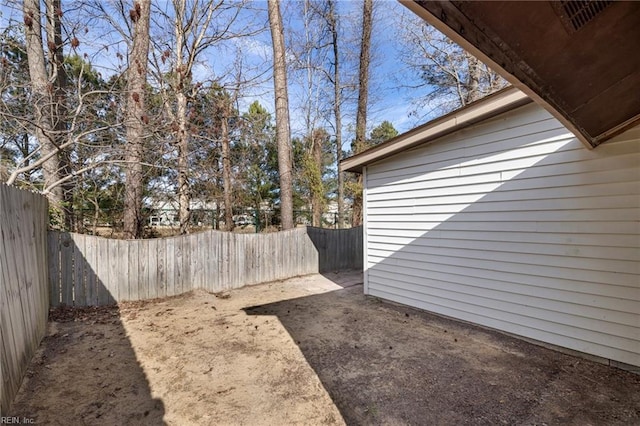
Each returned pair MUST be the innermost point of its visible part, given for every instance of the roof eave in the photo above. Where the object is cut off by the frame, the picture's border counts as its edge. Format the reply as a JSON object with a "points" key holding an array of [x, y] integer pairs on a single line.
{"points": [[490, 106], [447, 17]]}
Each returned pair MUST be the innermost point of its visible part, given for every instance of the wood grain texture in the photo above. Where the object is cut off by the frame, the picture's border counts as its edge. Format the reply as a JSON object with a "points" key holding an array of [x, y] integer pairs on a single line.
{"points": [[100, 271], [24, 285]]}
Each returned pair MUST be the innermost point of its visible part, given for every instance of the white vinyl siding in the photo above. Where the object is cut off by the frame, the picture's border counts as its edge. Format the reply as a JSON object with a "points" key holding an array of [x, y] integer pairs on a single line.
{"points": [[513, 224]]}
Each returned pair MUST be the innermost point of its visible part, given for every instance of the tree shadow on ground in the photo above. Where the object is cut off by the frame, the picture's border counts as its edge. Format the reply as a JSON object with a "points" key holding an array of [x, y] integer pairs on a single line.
{"points": [[85, 370], [382, 363]]}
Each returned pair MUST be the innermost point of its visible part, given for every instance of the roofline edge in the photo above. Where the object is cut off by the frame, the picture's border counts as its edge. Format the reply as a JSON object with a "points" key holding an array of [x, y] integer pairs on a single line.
{"points": [[497, 103]]}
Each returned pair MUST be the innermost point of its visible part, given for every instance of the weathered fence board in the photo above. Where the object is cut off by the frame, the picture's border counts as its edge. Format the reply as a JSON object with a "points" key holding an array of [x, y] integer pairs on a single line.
{"points": [[152, 274], [78, 270], [102, 272], [54, 267], [178, 269], [90, 271], [66, 257], [130, 259], [114, 275], [99, 271], [24, 287]]}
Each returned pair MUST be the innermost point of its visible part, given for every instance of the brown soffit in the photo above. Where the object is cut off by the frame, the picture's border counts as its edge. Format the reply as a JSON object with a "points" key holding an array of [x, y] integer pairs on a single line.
{"points": [[490, 106], [568, 72]]}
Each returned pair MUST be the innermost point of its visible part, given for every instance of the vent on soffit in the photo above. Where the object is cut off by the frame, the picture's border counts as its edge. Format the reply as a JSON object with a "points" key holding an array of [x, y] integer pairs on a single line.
{"points": [[575, 14]]}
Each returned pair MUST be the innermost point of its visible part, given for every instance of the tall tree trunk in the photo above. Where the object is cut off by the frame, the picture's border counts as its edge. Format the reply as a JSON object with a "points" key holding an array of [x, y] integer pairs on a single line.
{"points": [[317, 188], [135, 115], [184, 196], [42, 101], [311, 169], [191, 23], [58, 75], [182, 72], [337, 95], [226, 172], [363, 95], [282, 115]]}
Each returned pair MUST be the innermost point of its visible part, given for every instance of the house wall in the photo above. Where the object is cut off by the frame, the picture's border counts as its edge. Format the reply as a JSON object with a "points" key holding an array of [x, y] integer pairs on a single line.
{"points": [[513, 224]]}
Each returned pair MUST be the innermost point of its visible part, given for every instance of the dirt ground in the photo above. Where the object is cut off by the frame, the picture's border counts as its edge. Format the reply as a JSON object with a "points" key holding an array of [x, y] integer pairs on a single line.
{"points": [[311, 350]]}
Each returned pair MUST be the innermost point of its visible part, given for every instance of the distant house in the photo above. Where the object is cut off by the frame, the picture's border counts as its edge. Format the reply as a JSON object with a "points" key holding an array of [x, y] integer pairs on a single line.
{"points": [[498, 215], [166, 212], [330, 214]]}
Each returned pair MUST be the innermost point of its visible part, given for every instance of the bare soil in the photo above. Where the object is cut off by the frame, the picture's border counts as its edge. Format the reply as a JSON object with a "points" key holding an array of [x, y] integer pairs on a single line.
{"points": [[311, 350]]}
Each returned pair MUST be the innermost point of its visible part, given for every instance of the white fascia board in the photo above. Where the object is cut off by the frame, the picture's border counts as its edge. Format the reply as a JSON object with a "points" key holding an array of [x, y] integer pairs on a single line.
{"points": [[483, 109]]}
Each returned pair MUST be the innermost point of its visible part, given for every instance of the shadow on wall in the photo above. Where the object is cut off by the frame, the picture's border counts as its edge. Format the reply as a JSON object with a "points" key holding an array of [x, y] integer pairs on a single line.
{"points": [[545, 251], [383, 363], [86, 372]]}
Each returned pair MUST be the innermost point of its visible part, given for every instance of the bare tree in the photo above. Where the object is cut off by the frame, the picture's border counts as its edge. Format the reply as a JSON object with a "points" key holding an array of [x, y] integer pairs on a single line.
{"points": [[282, 114], [225, 108], [190, 28], [363, 94], [79, 112], [136, 116], [332, 22], [451, 76], [58, 75], [80, 129], [310, 52], [43, 103], [193, 34], [321, 58]]}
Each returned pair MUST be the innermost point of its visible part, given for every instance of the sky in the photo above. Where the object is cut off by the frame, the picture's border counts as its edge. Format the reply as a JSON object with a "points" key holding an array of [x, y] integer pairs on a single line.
{"points": [[389, 98]]}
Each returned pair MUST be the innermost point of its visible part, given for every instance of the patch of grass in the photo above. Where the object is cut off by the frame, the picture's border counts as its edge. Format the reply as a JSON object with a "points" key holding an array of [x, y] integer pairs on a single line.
{"points": [[372, 410]]}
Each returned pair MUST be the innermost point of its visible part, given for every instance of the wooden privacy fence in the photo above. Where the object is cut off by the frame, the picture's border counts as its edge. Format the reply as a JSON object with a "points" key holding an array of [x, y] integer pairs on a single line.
{"points": [[338, 249], [24, 299], [86, 270]]}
